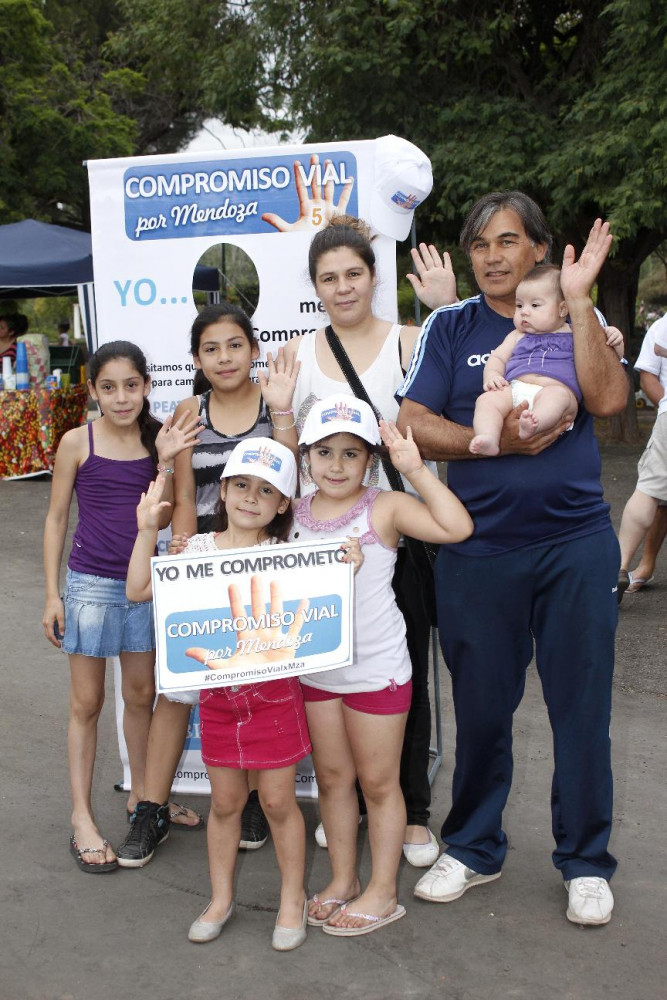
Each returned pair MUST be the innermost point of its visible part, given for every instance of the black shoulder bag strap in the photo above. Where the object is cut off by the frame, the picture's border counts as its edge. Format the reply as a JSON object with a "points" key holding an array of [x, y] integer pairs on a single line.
{"points": [[421, 555], [356, 385]]}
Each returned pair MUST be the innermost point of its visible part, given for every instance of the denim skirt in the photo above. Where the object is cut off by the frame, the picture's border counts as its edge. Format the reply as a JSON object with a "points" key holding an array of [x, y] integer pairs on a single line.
{"points": [[100, 621]]}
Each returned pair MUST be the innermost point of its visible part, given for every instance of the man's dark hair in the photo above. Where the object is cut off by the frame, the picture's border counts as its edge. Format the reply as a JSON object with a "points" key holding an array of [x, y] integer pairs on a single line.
{"points": [[529, 212]]}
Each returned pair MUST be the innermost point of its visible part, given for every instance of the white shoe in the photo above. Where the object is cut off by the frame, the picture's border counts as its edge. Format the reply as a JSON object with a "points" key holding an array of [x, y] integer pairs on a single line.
{"points": [[202, 931], [448, 879], [321, 837], [289, 938], [590, 900], [422, 855]]}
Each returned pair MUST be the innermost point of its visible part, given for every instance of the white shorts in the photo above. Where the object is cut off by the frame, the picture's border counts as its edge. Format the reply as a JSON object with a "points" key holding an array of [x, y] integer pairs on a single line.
{"points": [[524, 392], [653, 463]]}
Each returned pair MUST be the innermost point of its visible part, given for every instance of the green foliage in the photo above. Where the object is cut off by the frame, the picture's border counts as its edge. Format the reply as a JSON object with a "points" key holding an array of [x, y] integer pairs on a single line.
{"points": [[564, 99], [54, 113], [206, 64]]}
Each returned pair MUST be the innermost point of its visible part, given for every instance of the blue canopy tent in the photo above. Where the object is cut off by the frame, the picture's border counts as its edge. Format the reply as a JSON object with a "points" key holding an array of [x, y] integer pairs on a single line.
{"points": [[38, 259]]}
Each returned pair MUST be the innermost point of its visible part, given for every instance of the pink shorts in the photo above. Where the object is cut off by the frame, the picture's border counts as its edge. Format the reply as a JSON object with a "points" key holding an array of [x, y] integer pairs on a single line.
{"points": [[392, 700], [254, 726]]}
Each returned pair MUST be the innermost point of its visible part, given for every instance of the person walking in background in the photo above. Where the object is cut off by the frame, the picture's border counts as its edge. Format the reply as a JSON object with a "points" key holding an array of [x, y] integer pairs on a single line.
{"points": [[645, 514]]}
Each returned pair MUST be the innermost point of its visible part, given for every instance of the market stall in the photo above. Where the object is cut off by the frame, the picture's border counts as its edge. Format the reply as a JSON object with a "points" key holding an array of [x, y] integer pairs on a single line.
{"points": [[31, 426], [38, 259]]}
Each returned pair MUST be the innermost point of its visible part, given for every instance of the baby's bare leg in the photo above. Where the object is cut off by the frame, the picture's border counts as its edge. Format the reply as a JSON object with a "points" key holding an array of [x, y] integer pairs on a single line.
{"points": [[551, 405], [491, 409]]}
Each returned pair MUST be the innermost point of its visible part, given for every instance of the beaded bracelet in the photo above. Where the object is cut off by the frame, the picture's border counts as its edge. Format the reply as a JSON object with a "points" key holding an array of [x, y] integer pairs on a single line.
{"points": [[164, 470], [281, 413], [288, 428]]}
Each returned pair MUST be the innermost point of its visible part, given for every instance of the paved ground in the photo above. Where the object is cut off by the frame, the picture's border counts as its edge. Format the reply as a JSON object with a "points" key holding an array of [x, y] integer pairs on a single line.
{"points": [[65, 937]]}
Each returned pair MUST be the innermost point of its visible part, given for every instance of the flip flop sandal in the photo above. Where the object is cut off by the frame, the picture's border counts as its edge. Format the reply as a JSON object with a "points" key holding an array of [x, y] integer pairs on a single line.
{"points": [[314, 921], [638, 582], [375, 923], [87, 866], [177, 810]]}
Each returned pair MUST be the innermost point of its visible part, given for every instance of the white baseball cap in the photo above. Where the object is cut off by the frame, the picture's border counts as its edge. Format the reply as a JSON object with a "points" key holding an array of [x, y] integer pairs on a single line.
{"points": [[402, 180], [267, 459], [340, 414]]}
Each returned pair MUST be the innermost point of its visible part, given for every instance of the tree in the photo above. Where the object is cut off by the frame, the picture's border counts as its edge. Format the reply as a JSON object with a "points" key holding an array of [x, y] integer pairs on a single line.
{"points": [[54, 114], [565, 100], [208, 64], [111, 78]]}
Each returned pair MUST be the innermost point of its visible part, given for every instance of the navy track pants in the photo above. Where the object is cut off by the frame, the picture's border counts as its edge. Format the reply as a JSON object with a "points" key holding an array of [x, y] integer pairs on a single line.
{"points": [[492, 611]]}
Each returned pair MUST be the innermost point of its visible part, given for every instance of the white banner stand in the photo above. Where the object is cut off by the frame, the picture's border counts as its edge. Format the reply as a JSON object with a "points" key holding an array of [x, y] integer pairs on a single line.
{"points": [[153, 218]]}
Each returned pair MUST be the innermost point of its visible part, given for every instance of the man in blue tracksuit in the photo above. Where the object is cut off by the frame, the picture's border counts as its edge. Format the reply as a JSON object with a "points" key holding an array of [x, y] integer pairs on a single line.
{"points": [[540, 569]]}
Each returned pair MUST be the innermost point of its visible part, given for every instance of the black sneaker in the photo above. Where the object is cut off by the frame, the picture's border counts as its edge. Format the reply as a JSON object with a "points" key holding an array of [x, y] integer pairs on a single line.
{"points": [[254, 828], [149, 826]]}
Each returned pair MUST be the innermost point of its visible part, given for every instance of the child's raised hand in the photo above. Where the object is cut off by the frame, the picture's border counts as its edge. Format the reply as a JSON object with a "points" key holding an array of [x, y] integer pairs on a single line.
{"points": [[279, 380], [403, 451], [614, 339], [150, 505], [177, 543], [495, 382], [174, 438], [353, 553]]}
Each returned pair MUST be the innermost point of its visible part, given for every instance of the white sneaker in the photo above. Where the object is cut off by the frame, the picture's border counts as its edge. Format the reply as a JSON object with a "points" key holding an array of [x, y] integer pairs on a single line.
{"points": [[448, 879], [422, 855], [590, 900], [321, 837]]}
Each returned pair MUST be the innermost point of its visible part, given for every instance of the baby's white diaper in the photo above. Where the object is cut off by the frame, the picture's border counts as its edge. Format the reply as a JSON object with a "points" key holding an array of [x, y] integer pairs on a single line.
{"points": [[524, 392]]}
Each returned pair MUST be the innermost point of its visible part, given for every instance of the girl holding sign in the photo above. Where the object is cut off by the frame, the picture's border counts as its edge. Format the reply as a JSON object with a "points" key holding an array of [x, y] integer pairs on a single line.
{"points": [[107, 464], [232, 408], [356, 715], [260, 726]]}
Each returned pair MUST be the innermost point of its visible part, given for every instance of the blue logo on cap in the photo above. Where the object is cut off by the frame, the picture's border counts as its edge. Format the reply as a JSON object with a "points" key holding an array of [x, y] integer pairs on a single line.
{"points": [[406, 201], [342, 411], [263, 456]]}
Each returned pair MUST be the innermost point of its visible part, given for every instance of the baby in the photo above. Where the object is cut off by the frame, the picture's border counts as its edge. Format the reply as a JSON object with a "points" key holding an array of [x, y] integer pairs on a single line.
{"points": [[535, 362]]}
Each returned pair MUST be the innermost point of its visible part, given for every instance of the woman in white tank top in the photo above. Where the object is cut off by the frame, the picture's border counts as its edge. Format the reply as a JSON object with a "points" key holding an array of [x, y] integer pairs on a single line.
{"points": [[342, 269]]}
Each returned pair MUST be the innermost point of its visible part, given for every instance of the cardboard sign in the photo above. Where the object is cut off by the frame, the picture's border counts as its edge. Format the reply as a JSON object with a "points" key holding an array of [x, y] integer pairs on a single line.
{"points": [[227, 618]]}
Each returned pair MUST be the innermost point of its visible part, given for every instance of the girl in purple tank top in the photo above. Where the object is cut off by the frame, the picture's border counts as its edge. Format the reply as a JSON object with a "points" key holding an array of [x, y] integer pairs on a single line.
{"points": [[109, 464], [534, 364]]}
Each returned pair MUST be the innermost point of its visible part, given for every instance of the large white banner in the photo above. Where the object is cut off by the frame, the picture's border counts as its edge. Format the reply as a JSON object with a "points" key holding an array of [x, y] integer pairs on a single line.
{"points": [[154, 217]]}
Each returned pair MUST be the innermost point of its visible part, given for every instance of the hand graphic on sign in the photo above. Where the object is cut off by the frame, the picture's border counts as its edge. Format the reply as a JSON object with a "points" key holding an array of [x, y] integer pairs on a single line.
{"points": [[267, 645], [314, 211]]}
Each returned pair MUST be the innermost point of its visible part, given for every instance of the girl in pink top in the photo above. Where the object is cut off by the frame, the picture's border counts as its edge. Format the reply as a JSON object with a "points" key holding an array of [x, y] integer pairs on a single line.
{"points": [[356, 715]]}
